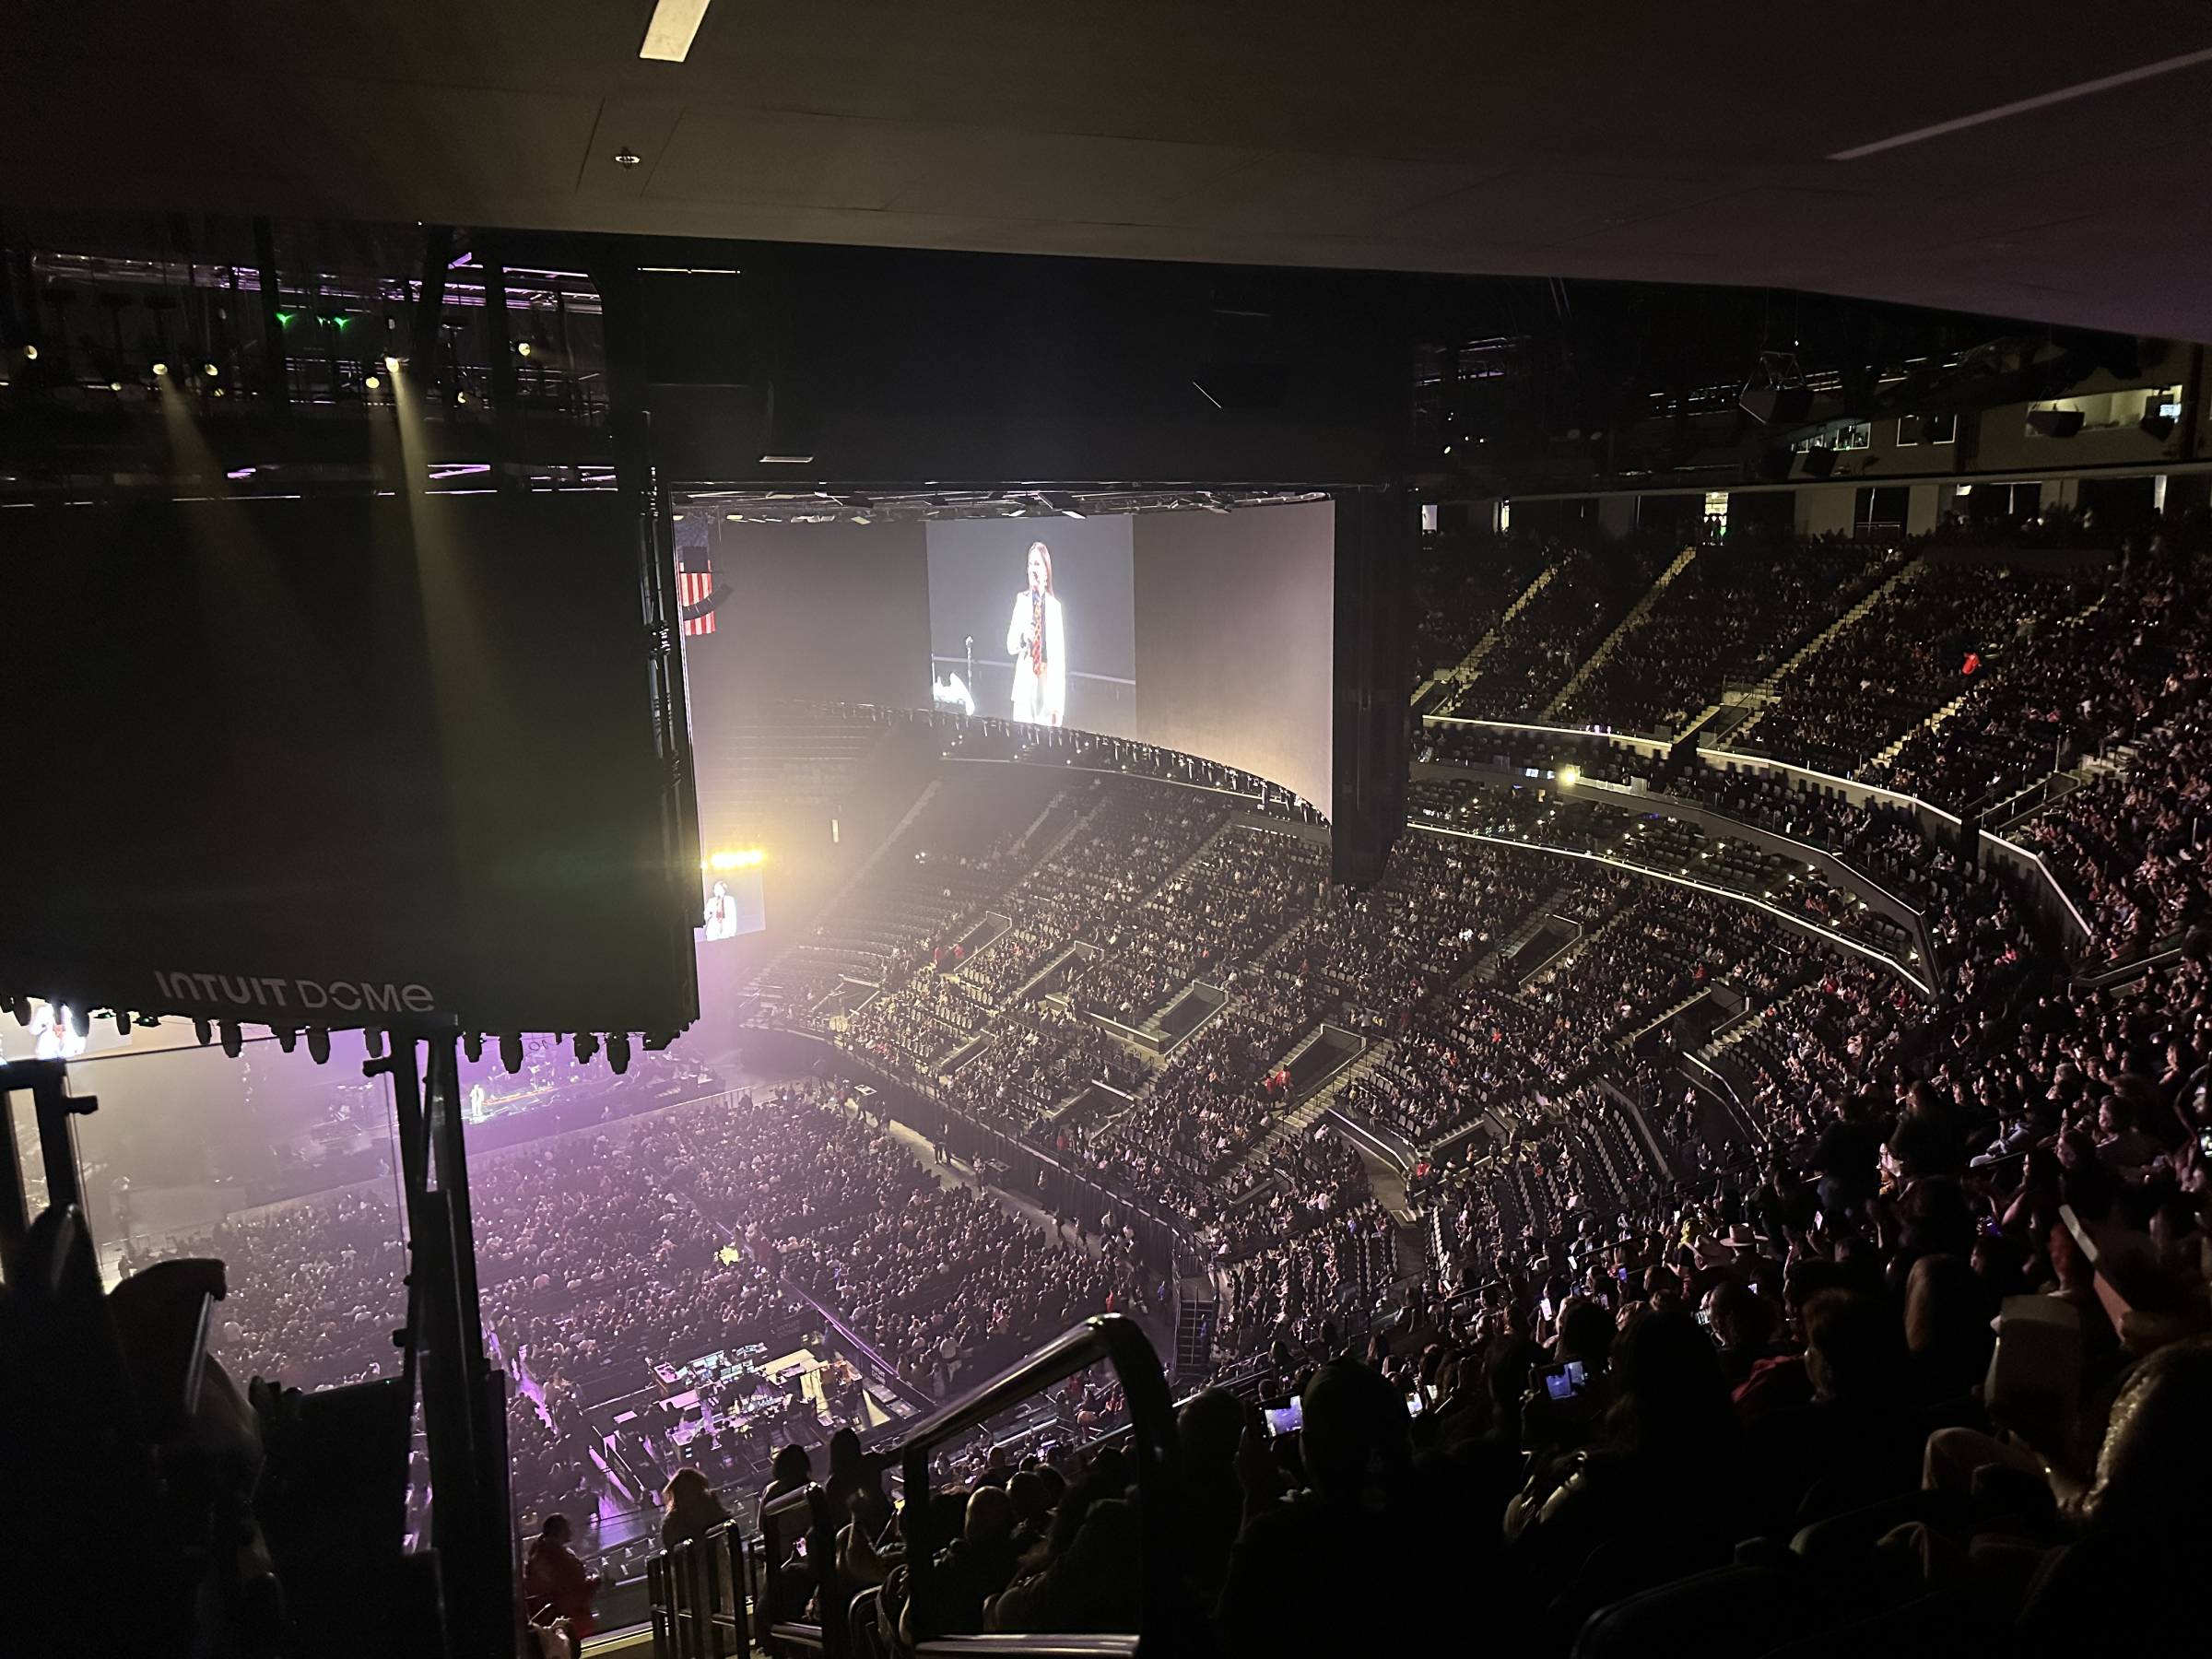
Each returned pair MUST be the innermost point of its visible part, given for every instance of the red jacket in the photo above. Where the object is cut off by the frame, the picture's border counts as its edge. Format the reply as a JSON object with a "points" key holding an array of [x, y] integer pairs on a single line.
{"points": [[553, 1577]]}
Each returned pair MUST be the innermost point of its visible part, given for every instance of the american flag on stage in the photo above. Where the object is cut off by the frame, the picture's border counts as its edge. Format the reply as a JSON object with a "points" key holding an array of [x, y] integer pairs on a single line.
{"points": [[691, 588]]}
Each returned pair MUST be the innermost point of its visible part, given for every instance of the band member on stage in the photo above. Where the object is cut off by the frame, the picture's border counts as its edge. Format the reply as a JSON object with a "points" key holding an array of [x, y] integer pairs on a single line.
{"points": [[1037, 640]]}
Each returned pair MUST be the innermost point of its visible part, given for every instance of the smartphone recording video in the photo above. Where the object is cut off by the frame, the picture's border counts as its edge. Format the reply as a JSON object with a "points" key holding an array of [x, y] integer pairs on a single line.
{"points": [[1565, 1380]]}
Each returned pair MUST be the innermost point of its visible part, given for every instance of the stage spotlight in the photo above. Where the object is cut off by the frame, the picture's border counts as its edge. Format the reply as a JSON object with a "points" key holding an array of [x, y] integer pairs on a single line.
{"points": [[510, 1051], [318, 1045], [80, 1022], [587, 1045], [123, 1023], [234, 1040], [391, 363], [31, 354], [522, 348], [460, 397], [1570, 776], [288, 1038], [373, 382], [114, 385], [211, 370], [203, 1031], [160, 371], [374, 1041], [617, 1052], [472, 1044]]}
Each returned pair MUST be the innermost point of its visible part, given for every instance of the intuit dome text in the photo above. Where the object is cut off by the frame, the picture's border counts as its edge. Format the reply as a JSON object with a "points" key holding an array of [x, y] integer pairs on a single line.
{"points": [[297, 995]]}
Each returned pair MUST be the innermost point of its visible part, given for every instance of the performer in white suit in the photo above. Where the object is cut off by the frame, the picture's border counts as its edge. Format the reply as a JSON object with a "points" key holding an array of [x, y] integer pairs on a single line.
{"points": [[1037, 641], [722, 914]]}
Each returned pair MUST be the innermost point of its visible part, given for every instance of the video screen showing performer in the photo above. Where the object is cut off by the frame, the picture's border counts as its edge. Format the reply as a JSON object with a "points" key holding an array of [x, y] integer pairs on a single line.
{"points": [[722, 913], [734, 904], [1068, 655], [1037, 640]]}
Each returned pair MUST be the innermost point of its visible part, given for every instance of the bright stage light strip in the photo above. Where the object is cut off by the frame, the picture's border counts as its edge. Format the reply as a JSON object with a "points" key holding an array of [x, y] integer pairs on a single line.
{"points": [[1780, 915], [2041, 100], [674, 26]]}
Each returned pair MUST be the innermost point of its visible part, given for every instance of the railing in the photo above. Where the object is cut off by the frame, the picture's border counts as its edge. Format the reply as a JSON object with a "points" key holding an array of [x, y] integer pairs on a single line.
{"points": [[1154, 1451], [1392, 1148], [2159, 953], [722, 1595]]}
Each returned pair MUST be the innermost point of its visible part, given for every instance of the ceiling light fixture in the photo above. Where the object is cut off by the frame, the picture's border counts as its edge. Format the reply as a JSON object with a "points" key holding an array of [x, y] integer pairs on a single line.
{"points": [[674, 26], [627, 158]]}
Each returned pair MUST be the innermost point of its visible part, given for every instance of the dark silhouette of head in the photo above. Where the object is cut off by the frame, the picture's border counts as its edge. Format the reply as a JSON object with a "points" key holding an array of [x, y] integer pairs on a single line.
{"points": [[1356, 1433], [791, 1467]]}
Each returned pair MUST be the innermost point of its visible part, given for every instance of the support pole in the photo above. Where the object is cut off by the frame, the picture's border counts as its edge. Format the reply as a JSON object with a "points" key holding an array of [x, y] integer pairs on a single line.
{"points": [[425, 328], [275, 360], [463, 1398]]}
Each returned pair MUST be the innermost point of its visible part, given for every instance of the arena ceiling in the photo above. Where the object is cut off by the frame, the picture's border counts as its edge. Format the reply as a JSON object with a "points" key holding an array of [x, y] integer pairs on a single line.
{"points": [[1725, 142]]}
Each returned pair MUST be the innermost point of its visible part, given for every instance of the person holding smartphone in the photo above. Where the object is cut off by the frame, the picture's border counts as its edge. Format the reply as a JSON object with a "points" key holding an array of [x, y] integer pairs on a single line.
{"points": [[1661, 1485]]}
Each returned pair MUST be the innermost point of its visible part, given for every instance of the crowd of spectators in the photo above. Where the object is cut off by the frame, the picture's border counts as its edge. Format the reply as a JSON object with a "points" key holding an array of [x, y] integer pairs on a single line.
{"points": [[315, 1288], [2132, 844], [1867, 1181], [1439, 906], [1041, 1062], [1549, 639], [1233, 901], [1462, 586], [1735, 612], [1135, 836], [1923, 645], [1214, 1099]]}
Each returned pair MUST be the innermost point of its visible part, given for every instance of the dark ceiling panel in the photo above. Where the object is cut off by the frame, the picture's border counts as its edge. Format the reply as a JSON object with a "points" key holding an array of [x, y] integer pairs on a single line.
{"points": [[1428, 135]]}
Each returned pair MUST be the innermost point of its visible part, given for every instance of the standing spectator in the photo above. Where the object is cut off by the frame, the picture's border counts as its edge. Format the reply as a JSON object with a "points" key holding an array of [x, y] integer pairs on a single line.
{"points": [[557, 1584]]}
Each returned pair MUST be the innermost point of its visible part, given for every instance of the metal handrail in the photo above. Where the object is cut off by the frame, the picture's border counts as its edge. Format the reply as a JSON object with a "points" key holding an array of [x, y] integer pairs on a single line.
{"points": [[1120, 1342]]}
